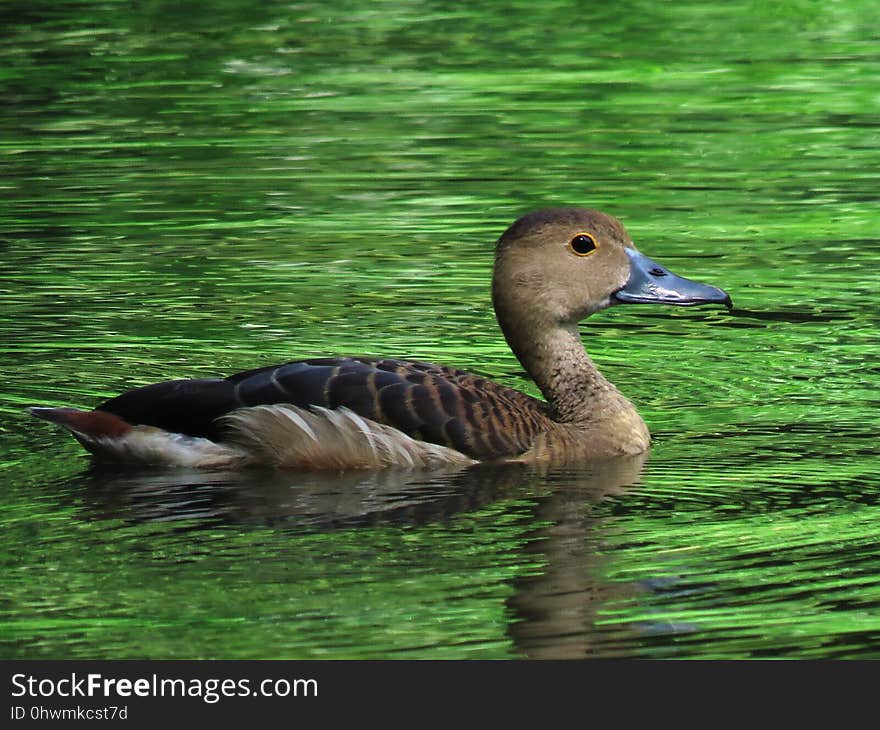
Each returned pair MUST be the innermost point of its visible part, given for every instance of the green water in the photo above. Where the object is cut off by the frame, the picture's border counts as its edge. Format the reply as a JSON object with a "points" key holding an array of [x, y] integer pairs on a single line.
{"points": [[192, 189]]}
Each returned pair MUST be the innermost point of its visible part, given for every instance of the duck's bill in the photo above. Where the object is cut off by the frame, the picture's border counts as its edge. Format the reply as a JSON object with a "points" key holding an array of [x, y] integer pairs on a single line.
{"points": [[651, 283]]}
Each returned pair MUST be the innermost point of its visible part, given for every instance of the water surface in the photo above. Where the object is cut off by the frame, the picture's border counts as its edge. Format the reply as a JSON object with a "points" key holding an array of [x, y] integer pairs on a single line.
{"points": [[192, 189]]}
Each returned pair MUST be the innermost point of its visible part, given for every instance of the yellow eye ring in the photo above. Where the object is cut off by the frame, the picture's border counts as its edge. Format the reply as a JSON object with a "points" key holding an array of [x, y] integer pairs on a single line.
{"points": [[583, 244]]}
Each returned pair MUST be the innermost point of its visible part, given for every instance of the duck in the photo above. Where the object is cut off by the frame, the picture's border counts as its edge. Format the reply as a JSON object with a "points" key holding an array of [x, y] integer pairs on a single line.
{"points": [[553, 268]]}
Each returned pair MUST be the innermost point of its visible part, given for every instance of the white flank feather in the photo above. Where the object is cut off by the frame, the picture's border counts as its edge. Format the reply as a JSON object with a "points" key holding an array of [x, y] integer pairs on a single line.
{"points": [[286, 436]]}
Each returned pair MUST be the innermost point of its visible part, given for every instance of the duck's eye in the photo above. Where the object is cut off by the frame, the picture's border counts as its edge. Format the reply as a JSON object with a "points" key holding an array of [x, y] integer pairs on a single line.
{"points": [[583, 244]]}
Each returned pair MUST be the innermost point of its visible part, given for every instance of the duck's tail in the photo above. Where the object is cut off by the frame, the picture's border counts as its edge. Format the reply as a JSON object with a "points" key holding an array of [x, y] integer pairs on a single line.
{"points": [[110, 437], [280, 436]]}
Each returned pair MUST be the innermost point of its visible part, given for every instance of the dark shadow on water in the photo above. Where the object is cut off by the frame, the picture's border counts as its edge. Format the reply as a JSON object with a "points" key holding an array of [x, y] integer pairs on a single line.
{"points": [[790, 316], [327, 500], [295, 500]]}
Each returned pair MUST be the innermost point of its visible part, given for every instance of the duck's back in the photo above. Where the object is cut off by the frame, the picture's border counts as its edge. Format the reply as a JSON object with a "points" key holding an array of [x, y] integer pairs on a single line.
{"points": [[427, 402]]}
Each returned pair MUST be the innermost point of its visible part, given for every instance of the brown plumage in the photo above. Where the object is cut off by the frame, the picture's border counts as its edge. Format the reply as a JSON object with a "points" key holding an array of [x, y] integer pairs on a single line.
{"points": [[552, 268]]}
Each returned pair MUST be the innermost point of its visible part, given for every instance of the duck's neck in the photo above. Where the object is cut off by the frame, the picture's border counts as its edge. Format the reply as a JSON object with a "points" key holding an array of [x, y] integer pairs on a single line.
{"points": [[554, 356]]}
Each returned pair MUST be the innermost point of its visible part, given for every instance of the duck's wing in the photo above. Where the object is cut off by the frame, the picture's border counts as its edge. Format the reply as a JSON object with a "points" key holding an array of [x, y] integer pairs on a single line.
{"points": [[427, 402]]}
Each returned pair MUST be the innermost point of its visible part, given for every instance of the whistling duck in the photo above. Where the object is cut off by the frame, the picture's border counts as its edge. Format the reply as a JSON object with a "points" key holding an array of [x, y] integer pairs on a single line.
{"points": [[553, 268]]}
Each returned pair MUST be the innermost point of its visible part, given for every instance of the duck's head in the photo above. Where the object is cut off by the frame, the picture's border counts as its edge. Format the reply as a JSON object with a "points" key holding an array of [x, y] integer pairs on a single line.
{"points": [[559, 265]]}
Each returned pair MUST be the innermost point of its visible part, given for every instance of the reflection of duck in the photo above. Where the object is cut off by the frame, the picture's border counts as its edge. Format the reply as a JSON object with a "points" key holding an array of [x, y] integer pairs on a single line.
{"points": [[316, 500], [556, 608], [553, 268]]}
